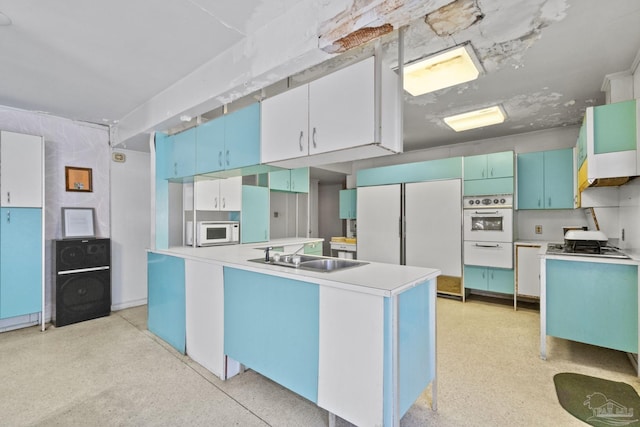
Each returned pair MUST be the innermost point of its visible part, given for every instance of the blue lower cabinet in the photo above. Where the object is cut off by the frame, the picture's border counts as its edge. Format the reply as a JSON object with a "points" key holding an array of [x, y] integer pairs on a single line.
{"points": [[593, 303], [271, 324], [166, 299], [20, 261], [416, 344], [490, 279]]}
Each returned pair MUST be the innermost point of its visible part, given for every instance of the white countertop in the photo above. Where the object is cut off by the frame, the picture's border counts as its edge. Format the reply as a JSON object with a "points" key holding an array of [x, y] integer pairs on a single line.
{"points": [[373, 278]]}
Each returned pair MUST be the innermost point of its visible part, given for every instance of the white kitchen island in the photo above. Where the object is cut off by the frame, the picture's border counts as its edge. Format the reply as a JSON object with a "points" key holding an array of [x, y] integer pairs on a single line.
{"points": [[358, 342]]}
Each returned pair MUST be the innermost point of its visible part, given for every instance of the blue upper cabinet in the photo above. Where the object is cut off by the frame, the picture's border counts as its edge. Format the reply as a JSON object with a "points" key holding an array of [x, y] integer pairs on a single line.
{"points": [[614, 127], [184, 154], [495, 165], [164, 155], [531, 181], [348, 203], [228, 142], [210, 146], [582, 145], [488, 174], [545, 180], [294, 180], [242, 138]]}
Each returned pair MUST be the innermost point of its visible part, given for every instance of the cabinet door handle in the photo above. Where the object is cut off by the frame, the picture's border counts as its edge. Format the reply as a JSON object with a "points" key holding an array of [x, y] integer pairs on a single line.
{"points": [[300, 140], [492, 275], [215, 202], [8, 217], [224, 202], [8, 196], [484, 274], [175, 168], [549, 202], [491, 171], [220, 158], [227, 157], [483, 171], [313, 138], [539, 202]]}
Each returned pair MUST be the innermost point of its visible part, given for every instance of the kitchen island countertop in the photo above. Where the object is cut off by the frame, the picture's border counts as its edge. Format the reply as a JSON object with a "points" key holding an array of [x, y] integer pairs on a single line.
{"points": [[373, 278]]}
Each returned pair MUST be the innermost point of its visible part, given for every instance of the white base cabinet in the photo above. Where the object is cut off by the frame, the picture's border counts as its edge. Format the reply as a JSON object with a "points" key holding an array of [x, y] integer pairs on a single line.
{"points": [[205, 315], [528, 270]]}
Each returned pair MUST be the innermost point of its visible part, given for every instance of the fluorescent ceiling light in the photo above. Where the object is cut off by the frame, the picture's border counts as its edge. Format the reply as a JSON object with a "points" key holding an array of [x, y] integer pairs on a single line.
{"points": [[445, 69], [475, 119]]}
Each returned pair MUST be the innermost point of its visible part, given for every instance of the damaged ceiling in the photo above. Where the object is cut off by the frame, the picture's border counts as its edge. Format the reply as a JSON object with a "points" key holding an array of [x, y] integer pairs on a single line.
{"points": [[140, 69]]}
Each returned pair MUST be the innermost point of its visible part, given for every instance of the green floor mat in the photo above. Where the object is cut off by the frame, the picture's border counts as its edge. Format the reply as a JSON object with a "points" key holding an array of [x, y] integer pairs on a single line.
{"points": [[596, 401]]}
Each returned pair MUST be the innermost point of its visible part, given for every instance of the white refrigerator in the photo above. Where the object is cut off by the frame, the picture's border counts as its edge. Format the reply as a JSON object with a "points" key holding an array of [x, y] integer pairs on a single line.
{"points": [[417, 224]]}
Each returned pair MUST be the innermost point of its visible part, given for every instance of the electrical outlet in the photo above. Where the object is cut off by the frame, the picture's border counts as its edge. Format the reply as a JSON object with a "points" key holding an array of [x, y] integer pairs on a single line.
{"points": [[538, 229]]}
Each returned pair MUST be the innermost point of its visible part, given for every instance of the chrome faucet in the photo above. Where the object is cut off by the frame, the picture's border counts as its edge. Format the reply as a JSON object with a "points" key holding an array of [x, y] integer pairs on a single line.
{"points": [[267, 258]]}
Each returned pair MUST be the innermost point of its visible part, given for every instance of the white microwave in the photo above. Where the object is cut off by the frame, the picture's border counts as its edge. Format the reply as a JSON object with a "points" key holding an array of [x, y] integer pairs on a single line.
{"points": [[213, 233]]}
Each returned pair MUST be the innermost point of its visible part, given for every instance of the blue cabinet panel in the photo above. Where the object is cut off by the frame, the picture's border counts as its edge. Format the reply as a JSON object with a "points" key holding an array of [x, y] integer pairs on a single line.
{"points": [[166, 299], [20, 261], [210, 146], [490, 279], [300, 180], [242, 138], [530, 180], [614, 127], [545, 180], [271, 325], [431, 170], [184, 154], [594, 303], [558, 179], [280, 180], [254, 222], [475, 277], [500, 280], [481, 187], [348, 203], [488, 174], [164, 155]]}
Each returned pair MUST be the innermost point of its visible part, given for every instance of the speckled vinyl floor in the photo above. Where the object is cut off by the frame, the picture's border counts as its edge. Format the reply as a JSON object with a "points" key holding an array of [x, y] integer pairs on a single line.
{"points": [[113, 372]]}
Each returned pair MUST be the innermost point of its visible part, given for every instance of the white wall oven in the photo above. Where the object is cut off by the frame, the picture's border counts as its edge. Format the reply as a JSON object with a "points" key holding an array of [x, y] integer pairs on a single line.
{"points": [[488, 231]]}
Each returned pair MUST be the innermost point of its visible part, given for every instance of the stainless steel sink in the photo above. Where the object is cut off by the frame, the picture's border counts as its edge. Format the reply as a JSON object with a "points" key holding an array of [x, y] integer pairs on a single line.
{"points": [[311, 262]]}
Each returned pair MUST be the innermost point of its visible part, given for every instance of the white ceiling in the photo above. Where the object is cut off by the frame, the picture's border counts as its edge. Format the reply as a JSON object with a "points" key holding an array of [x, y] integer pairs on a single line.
{"points": [[138, 65]]}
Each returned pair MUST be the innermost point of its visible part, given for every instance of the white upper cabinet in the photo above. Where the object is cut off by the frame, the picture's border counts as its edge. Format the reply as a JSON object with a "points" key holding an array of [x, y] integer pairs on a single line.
{"points": [[21, 165], [285, 125], [341, 109], [351, 114], [219, 194]]}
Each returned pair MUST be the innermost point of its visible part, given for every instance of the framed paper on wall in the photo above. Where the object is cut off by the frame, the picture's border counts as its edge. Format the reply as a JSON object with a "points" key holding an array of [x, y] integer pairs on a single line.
{"points": [[78, 179], [78, 223]]}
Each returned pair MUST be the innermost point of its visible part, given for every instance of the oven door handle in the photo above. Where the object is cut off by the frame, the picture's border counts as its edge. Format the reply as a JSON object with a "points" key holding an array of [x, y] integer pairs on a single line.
{"points": [[486, 213], [497, 245]]}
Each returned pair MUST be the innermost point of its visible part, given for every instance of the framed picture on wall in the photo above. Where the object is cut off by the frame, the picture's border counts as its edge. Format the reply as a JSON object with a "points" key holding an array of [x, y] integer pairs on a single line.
{"points": [[78, 223], [78, 179]]}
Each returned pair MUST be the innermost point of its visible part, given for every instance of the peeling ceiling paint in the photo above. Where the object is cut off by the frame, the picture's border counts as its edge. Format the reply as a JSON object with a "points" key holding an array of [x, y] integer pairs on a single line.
{"points": [[454, 17]]}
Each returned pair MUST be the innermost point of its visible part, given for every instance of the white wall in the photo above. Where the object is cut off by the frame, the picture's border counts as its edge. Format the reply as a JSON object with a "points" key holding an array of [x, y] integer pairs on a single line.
{"points": [[630, 215], [130, 224], [67, 143]]}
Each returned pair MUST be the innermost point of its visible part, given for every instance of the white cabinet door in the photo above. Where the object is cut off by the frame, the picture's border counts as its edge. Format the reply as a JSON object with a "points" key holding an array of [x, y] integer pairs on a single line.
{"points": [[219, 194], [207, 195], [528, 270], [231, 194], [351, 361], [341, 109], [284, 125], [21, 165], [205, 314], [434, 225], [378, 213]]}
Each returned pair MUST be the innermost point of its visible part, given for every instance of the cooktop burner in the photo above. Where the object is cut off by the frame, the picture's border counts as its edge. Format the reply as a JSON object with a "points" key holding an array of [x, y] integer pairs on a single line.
{"points": [[585, 250]]}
